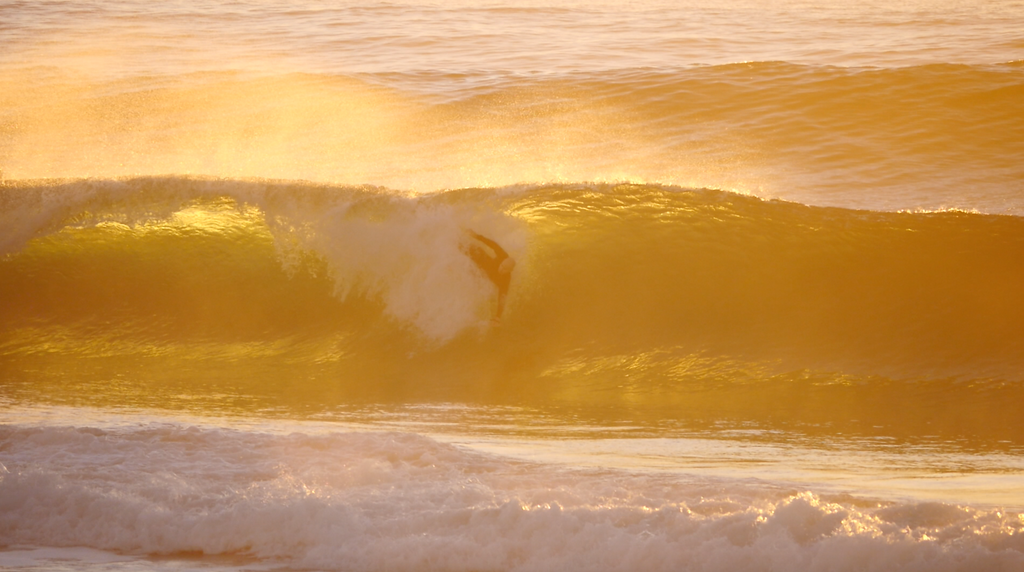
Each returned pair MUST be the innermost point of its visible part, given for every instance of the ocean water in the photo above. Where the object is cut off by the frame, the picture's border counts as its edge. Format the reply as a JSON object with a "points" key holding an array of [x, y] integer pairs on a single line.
{"points": [[766, 312]]}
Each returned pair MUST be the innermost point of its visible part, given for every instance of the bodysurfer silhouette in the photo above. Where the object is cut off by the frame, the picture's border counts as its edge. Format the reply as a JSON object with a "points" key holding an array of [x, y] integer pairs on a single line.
{"points": [[494, 262]]}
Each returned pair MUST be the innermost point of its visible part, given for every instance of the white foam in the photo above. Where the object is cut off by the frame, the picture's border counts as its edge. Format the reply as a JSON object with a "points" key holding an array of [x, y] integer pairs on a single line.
{"points": [[399, 501], [42, 557], [400, 249], [408, 256]]}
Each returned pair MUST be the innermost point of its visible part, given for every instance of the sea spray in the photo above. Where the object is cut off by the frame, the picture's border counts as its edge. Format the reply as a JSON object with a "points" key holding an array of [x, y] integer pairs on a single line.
{"points": [[344, 500]]}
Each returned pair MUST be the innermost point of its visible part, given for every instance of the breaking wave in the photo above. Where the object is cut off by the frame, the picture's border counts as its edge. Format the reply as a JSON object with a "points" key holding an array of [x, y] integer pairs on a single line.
{"points": [[626, 297]]}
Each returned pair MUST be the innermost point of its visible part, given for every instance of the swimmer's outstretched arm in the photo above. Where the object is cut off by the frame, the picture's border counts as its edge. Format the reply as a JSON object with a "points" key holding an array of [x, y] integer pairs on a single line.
{"points": [[498, 250]]}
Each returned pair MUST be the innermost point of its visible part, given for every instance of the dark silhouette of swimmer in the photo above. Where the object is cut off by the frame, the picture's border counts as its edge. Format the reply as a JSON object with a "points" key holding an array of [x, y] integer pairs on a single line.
{"points": [[495, 263]]}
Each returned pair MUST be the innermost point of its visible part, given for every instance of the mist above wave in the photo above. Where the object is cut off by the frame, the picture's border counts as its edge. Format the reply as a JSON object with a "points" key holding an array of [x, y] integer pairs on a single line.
{"points": [[884, 139]]}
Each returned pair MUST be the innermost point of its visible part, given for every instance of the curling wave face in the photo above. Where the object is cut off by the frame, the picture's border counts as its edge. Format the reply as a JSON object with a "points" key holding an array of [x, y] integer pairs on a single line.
{"points": [[655, 302]]}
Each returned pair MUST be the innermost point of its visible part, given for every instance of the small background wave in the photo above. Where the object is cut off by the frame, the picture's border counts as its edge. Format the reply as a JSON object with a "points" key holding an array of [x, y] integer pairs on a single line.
{"points": [[928, 136], [133, 38]]}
